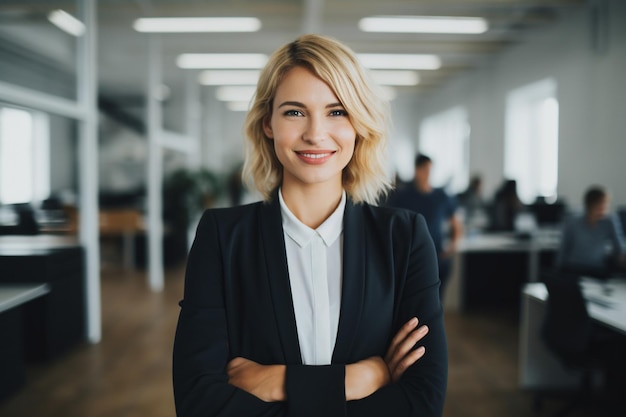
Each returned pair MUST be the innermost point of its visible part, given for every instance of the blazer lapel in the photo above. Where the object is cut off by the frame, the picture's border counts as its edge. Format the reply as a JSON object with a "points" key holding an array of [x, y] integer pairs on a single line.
{"points": [[353, 286], [273, 244]]}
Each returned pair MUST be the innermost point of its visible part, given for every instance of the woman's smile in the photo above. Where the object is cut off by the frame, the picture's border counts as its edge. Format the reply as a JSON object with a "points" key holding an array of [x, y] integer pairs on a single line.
{"points": [[315, 157]]}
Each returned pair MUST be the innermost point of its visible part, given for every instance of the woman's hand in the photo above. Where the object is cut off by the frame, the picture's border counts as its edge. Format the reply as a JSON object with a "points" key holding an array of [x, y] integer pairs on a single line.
{"points": [[365, 377], [266, 382], [401, 354]]}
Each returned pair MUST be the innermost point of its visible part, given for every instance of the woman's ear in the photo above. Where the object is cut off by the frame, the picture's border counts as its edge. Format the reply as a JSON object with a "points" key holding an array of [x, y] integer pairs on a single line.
{"points": [[267, 128]]}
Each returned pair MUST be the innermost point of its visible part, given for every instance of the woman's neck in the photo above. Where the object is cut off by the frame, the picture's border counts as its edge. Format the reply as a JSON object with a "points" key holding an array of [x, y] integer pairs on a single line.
{"points": [[312, 204]]}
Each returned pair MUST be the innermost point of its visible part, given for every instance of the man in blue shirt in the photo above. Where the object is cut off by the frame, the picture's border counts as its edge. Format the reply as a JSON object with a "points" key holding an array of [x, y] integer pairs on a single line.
{"points": [[592, 242], [438, 208]]}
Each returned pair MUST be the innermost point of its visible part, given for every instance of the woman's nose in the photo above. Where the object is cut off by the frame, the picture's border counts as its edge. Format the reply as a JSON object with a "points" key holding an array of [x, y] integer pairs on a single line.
{"points": [[315, 131]]}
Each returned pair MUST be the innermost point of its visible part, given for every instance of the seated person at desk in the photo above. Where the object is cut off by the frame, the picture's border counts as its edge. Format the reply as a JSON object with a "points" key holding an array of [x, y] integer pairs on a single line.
{"points": [[473, 206], [505, 207], [592, 242]]}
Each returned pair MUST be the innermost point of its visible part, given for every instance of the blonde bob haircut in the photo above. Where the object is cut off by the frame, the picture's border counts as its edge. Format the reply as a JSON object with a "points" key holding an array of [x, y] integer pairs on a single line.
{"points": [[365, 178]]}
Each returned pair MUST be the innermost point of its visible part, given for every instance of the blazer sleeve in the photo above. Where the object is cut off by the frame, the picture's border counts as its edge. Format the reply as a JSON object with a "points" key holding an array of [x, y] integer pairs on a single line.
{"points": [[422, 388], [201, 350]]}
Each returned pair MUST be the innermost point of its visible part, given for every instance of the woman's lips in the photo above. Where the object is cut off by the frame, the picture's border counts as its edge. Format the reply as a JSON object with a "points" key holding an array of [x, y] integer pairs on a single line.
{"points": [[314, 157]]}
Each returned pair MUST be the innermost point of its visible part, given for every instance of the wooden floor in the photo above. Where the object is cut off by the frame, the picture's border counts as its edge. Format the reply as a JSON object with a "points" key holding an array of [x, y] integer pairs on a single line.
{"points": [[128, 374]]}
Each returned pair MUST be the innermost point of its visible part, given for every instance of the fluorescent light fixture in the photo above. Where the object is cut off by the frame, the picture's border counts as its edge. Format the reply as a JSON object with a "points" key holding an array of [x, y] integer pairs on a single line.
{"points": [[66, 22], [238, 105], [391, 77], [224, 61], [235, 93], [400, 61], [196, 24], [424, 24], [232, 77]]}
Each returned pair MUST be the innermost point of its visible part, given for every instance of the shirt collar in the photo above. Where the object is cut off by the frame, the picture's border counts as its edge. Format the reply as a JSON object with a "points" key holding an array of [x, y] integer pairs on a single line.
{"points": [[302, 234]]}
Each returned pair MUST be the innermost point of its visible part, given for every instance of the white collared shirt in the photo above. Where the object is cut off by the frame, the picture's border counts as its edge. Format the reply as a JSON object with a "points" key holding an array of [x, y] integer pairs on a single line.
{"points": [[314, 261]]}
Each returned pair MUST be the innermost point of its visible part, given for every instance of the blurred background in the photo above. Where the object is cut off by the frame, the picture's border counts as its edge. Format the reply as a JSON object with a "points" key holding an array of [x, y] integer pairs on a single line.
{"points": [[118, 129]]}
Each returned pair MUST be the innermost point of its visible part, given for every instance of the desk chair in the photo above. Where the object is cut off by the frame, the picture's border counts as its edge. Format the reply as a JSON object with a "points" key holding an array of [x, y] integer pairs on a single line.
{"points": [[570, 334]]}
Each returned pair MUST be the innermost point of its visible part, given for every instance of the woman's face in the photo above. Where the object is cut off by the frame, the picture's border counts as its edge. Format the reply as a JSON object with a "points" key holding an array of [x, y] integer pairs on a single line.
{"points": [[312, 133]]}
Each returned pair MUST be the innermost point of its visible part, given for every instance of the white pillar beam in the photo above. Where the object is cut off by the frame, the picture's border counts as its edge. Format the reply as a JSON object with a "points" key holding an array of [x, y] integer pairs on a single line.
{"points": [[34, 99], [88, 168], [192, 116], [154, 166]]}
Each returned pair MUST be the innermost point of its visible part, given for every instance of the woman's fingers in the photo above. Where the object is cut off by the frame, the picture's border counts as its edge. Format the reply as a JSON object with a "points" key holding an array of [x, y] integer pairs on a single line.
{"points": [[412, 357], [406, 346], [401, 353]]}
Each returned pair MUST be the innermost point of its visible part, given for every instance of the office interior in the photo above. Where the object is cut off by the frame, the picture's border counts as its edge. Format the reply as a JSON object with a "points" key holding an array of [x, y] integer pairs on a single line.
{"points": [[118, 178]]}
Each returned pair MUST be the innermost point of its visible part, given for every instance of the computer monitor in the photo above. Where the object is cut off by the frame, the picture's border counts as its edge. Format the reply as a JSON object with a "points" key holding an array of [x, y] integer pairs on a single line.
{"points": [[547, 214]]}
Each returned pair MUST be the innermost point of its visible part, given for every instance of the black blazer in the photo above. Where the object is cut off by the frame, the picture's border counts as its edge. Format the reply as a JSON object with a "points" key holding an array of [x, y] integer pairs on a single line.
{"points": [[237, 302]]}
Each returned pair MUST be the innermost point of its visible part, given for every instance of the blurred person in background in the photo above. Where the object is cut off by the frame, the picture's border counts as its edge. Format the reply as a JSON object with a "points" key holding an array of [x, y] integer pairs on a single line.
{"points": [[473, 205], [440, 211], [506, 206], [593, 242], [472, 198]]}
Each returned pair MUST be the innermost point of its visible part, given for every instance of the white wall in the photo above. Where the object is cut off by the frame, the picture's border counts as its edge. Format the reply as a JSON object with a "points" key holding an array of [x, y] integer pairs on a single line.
{"points": [[591, 88], [22, 64]]}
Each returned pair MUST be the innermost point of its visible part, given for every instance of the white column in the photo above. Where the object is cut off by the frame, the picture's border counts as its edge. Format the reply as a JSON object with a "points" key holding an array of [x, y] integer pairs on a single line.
{"points": [[154, 207], [88, 168], [213, 140], [192, 116]]}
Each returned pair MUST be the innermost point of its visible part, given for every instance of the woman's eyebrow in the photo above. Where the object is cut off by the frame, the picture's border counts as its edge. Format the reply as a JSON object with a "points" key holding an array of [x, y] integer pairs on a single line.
{"points": [[292, 103], [301, 105]]}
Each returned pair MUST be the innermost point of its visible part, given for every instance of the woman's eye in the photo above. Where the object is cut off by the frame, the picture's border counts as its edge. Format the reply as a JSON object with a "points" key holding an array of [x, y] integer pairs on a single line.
{"points": [[338, 113], [293, 113]]}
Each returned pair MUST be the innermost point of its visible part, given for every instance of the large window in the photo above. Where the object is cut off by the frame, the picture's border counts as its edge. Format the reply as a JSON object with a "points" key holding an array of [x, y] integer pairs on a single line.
{"points": [[444, 137], [532, 140], [24, 156]]}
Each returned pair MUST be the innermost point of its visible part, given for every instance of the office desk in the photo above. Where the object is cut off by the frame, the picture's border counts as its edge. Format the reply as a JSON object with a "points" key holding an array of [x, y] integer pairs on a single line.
{"points": [[12, 298], [56, 322], [539, 368], [491, 268]]}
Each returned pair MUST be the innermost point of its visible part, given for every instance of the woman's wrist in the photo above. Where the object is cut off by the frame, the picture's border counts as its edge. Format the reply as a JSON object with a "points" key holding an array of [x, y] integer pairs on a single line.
{"points": [[278, 383], [365, 377]]}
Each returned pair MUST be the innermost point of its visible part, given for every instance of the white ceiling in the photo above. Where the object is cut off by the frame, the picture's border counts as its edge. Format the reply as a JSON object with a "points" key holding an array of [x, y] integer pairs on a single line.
{"points": [[122, 52]]}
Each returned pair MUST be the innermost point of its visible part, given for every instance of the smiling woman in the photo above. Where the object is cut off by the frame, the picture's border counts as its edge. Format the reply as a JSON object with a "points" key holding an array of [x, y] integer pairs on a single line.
{"points": [[314, 302]]}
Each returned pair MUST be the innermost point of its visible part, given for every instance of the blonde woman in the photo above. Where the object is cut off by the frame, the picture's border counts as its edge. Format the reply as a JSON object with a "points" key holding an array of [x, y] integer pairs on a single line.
{"points": [[314, 302]]}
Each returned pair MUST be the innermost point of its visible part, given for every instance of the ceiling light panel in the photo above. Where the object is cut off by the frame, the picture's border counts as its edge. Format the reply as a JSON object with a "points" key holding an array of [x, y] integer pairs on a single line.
{"points": [[424, 24], [66, 22], [400, 61], [223, 61], [197, 24], [235, 93], [238, 105], [229, 77]]}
